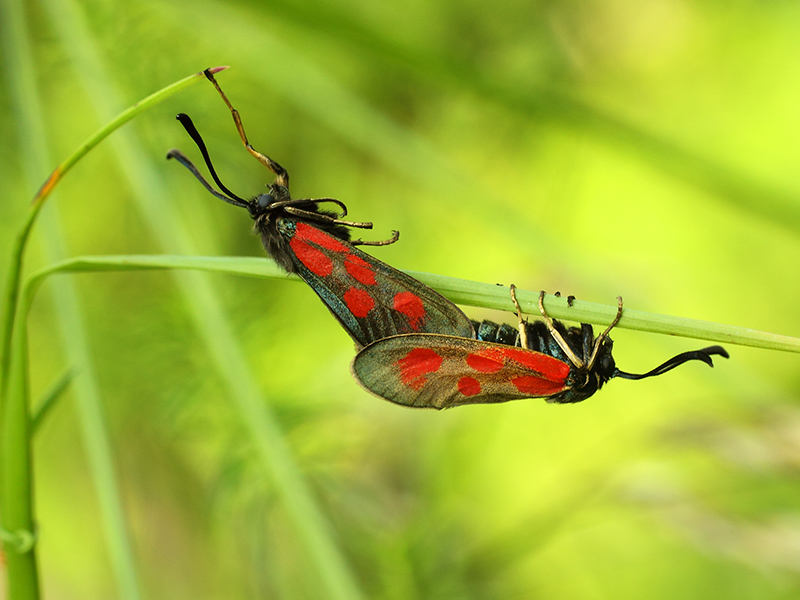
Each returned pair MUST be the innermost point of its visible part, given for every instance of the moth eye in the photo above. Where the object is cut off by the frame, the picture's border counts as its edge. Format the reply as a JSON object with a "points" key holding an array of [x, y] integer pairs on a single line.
{"points": [[264, 200], [607, 363]]}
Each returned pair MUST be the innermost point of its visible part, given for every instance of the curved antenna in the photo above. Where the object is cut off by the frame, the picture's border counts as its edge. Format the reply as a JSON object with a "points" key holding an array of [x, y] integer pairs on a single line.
{"points": [[181, 158], [702, 355], [195, 135]]}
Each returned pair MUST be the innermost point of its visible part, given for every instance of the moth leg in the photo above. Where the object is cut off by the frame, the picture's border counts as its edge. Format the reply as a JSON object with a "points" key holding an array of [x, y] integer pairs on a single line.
{"points": [[281, 176], [318, 217], [562, 343], [360, 242], [523, 331], [600, 338]]}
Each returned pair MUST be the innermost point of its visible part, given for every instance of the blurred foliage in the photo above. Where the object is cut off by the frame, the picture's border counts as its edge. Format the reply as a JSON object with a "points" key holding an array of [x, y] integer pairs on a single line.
{"points": [[597, 148]]}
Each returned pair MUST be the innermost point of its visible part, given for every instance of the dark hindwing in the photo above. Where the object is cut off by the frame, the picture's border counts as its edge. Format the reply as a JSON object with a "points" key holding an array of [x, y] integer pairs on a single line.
{"points": [[369, 298], [442, 371]]}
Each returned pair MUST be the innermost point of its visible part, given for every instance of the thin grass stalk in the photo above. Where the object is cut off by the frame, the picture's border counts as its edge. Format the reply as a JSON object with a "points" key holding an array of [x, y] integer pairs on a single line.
{"points": [[16, 479], [460, 291], [11, 299]]}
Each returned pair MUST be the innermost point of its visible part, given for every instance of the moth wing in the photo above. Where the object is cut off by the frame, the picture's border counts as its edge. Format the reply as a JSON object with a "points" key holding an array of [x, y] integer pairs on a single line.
{"points": [[442, 371], [370, 299]]}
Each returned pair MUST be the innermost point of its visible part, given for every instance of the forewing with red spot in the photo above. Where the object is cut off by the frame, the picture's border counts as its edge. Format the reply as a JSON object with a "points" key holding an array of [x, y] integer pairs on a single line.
{"points": [[441, 371], [370, 299]]}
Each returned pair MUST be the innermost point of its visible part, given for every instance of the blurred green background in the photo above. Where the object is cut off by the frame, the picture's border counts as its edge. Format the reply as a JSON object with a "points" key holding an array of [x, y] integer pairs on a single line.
{"points": [[647, 149]]}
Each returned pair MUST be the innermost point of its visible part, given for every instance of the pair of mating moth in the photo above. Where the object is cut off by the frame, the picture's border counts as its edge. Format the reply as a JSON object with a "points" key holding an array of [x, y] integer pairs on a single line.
{"points": [[415, 347]]}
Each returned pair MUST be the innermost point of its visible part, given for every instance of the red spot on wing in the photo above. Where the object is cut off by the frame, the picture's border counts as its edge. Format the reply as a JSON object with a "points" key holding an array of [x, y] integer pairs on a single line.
{"points": [[316, 236], [359, 269], [314, 259], [548, 367], [489, 360], [410, 305], [415, 365], [358, 302], [536, 386], [469, 386]]}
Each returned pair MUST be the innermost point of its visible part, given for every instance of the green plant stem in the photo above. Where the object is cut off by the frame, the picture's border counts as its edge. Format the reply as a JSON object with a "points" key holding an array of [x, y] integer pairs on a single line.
{"points": [[11, 299], [16, 493], [487, 295], [461, 291], [16, 489]]}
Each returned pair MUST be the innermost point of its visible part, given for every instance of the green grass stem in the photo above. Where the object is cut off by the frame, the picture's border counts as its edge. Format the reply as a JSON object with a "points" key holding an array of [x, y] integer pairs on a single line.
{"points": [[16, 486], [460, 291]]}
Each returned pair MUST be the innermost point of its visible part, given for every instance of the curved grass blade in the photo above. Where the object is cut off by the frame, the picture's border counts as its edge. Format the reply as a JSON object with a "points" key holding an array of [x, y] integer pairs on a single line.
{"points": [[460, 291]]}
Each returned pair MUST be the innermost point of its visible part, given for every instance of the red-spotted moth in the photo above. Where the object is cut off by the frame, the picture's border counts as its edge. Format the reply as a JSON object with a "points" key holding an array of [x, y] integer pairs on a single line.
{"points": [[543, 360], [369, 298]]}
